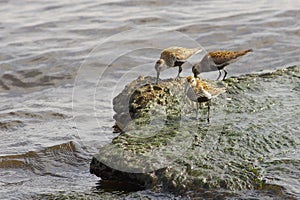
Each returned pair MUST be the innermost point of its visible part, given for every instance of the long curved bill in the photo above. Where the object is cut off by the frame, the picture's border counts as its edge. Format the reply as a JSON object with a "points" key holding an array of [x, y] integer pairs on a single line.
{"points": [[186, 87], [157, 77]]}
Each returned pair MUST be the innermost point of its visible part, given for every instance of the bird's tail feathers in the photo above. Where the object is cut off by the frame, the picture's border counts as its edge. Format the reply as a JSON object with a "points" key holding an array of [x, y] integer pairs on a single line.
{"points": [[246, 51], [218, 91], [197, 50]]}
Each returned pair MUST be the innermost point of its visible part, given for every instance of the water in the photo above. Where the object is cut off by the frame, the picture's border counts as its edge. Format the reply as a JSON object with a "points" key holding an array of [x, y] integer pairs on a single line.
{"points": [[48, 133]]}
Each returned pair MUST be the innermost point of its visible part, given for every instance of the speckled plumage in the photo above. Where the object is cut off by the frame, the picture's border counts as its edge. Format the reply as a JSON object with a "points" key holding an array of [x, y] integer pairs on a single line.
{"points": [[173, 54], [217, 60], [174, 57], [201, 91]]}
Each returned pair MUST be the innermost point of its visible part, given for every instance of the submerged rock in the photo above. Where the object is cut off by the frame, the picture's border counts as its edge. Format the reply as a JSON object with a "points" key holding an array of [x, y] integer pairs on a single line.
{"points": [[163, 146]]}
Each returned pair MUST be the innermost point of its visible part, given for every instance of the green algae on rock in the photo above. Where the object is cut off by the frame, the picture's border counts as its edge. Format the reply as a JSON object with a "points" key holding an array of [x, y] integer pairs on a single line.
{"points": [[253, 124]]}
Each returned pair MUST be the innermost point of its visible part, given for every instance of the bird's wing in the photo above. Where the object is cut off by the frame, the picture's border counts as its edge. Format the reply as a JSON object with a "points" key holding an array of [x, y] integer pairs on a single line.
{"points": [[208, 89], [178, 54], [183, 54], [222, 57]]}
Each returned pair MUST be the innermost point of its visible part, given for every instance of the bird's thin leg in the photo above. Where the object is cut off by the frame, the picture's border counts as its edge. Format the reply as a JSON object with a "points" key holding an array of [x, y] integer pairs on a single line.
{"points": [[179, 71], [224, 74], [157, 77], [208, 110], [219, 74], [197, 110]]}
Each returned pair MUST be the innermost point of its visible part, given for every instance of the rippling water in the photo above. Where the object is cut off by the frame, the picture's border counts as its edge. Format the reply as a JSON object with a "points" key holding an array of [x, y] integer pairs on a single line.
{"points": [[43, 149]]}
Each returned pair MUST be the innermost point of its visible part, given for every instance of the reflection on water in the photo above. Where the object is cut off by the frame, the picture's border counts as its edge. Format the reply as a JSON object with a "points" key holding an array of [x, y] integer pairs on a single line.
{"points": [[44, 44]]}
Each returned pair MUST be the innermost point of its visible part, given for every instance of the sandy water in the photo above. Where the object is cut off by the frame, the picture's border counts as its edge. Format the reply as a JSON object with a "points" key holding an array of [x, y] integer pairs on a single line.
{"points": [[52, 57]]}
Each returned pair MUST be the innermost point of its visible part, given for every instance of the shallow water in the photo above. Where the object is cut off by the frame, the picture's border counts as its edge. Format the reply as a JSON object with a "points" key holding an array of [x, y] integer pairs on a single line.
{"points": [[50, 125]]}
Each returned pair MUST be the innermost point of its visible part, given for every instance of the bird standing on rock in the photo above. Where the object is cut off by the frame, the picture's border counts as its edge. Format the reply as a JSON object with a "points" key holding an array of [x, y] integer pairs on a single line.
{"points": [[217, 60], [174, 57], [201, 91]]}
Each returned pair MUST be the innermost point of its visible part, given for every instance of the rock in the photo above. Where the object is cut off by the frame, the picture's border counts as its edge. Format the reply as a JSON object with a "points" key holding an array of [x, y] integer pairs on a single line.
{"points": [[163, 146], [142, 98]]}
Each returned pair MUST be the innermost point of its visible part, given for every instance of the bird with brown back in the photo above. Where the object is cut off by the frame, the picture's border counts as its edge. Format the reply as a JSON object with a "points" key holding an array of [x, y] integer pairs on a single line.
{"points": [[217, 60], [173, 57]]}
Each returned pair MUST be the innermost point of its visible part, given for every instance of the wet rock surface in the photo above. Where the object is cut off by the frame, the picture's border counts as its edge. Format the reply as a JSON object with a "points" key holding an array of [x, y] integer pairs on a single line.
{"points": [[142, 96], [142, 99], [253, 130]]}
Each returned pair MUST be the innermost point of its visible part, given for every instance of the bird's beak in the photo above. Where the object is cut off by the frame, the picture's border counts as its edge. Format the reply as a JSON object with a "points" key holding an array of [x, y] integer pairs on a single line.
{"points": [[186, 87], [157, 77]]}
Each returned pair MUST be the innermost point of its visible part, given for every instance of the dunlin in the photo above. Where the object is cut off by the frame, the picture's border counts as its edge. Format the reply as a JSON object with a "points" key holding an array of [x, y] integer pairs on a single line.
{"points": [[173, 57], [201, 91], [217, 60]]}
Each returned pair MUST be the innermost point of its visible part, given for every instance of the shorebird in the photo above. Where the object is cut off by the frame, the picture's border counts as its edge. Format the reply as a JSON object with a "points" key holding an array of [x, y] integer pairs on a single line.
{"points": [[173, 57], [217, 60], [201, 91]]}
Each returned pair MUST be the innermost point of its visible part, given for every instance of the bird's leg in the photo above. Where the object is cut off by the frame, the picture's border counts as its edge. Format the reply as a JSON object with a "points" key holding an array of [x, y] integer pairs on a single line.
{"points": [[157, 77], [179, 71], [197, 110], [219, 74], [208, 110], [224, 74]]}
